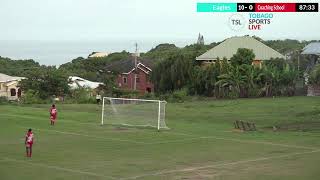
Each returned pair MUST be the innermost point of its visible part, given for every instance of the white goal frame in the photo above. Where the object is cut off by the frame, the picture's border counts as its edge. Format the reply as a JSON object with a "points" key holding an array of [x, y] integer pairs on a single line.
{"points": [[143, 100]]}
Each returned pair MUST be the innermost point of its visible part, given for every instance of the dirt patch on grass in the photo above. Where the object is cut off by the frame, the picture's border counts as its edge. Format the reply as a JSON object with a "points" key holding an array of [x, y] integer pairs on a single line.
{"points": [[203, 174], [297, 126], [237, 130], [120, 129], [314, 112]]}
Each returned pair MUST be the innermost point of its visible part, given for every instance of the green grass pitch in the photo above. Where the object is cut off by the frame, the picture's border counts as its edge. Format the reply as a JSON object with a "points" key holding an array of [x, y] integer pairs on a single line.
{"points": [[200, 144]]}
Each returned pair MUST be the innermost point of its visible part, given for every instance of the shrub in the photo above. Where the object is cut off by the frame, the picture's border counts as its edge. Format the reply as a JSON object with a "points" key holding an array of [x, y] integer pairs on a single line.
{"points": [[31, 97], [3, 100], [164, 97], [232, 94], [315, 76], [179, 96], [125, 93], [148, 96], [81, 96]]}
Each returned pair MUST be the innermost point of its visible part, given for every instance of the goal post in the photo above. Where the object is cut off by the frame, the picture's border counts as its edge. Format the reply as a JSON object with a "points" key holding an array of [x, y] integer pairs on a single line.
{"points": [[133, 112]]}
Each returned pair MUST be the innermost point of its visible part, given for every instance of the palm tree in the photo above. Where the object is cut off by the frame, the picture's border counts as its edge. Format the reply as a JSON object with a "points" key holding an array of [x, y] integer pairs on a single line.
{"points": [[252, 75], [270, 78], [233, 79], [315, 76], [288, 80], [278, 81]]}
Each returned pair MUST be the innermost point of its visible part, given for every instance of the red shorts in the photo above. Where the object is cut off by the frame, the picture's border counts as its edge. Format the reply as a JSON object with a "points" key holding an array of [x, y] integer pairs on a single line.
{"points": [[29, 144], [53, 118]]}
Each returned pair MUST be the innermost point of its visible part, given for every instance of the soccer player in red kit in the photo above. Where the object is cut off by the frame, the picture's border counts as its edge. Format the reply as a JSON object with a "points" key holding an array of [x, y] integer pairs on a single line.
{"points": [[29, 142], [53, 114]]}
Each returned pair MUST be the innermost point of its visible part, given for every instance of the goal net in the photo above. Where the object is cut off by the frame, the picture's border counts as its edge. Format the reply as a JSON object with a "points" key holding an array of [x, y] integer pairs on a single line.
{"points": [[134, 112]]}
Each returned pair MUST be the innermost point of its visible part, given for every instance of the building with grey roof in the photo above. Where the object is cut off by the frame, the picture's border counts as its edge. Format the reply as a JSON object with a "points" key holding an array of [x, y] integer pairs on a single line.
{"points": [[229, 47], [312, 49]]}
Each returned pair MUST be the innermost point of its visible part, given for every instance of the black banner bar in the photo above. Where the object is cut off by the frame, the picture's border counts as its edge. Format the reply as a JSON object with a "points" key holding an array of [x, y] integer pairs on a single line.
{"points": [[245, 7], [307, 7]]}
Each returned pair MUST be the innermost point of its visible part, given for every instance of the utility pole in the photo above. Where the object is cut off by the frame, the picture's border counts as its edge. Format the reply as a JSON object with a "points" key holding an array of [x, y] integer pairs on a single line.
{"points": [[298, 61], [135, 67]]}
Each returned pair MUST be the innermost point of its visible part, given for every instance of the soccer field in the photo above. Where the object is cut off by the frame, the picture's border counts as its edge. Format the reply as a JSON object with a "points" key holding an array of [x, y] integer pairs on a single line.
{"points": [[201, 142]]}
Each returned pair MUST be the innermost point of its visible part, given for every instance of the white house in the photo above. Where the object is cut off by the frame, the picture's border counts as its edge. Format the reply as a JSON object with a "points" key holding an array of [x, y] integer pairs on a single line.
{"points": [[9, 86]]}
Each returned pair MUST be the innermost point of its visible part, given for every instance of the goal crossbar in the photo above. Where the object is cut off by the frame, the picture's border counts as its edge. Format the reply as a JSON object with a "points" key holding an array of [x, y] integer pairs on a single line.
{"points": [[146, 100]]}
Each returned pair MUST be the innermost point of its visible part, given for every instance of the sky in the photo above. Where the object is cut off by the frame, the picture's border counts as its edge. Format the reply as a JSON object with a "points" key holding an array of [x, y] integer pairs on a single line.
{"points": [[53, 32], [60, 20]]}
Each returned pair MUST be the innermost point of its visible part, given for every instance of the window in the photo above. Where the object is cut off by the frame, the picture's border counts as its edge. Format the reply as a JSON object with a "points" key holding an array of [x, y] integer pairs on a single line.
{"points": [[13, 92], [124, 80], [148, 89], [137, 79]]}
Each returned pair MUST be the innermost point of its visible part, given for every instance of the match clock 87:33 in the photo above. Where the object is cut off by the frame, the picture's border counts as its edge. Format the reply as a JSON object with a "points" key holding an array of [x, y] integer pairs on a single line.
{"points": [[307, 7]]}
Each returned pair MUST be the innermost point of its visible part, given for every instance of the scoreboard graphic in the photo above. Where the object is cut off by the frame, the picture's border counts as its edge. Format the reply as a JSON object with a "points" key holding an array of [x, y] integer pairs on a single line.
{"points": [[255, 16], [257, 7]]}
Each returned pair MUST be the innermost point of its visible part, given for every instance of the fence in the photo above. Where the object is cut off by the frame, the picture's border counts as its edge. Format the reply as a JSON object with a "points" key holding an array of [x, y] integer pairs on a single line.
{"points": [[244, 126]]}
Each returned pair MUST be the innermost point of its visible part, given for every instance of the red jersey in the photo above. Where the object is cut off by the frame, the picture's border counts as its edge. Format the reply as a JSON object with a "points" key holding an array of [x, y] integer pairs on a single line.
{"points": [[29, 137], [53, 113]]}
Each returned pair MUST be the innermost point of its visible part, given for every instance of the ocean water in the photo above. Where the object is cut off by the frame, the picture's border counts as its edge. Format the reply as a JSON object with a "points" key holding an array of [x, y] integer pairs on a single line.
{"points": [[60, 52]]}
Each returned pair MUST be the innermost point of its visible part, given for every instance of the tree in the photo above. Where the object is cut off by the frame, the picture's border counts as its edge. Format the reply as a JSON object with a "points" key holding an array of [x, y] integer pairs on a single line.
{"points": [[46, 82], [243, 56], [279, 63], [203, 80], [93, 68], [233, 79], [278, 81], [251, 74], [288, 80], [314, 78], [172, 73], [224, 65], [161, 52], [285, 46], [269, 78], [17, 67]]}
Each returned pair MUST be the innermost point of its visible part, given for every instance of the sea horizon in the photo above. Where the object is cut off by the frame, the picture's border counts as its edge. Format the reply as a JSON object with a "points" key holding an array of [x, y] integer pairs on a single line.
{"points": [[57, 52]]}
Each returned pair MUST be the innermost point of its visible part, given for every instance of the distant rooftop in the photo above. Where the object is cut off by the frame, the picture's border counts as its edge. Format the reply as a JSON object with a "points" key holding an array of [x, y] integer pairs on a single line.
{"points": [[312, 49], [126, 65], [98, 54], [7, 78]]}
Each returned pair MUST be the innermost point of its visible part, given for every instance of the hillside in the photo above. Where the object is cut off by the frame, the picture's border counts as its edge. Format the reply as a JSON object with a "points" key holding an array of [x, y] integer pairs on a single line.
{"points": [[94, 68]]}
